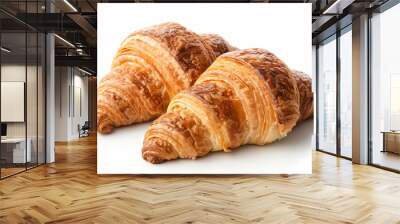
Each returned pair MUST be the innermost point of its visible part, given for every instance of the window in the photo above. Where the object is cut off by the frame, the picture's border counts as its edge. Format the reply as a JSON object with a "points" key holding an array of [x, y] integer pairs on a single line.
{"points": [[346, 92], [327, 96], [385, 89], [334, 106]]}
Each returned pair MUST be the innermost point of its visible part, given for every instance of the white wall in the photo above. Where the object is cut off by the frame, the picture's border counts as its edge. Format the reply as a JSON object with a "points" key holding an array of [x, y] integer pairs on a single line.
{"points": [[62, 81], [70, 84], [80, 98], [14, 72]]}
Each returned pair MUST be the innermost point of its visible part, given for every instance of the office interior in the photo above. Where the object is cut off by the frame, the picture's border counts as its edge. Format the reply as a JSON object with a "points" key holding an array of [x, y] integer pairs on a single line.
{"points": [[48, 94], [48, 84], [356, 68]]}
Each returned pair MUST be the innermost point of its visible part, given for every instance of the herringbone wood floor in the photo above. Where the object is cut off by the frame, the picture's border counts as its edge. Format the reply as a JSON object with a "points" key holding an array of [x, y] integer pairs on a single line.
{"points": [[69, 191]]}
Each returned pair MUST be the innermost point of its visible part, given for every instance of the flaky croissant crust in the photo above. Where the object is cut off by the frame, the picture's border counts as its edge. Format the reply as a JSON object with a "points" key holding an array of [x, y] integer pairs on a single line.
{"points": [[304, 84], [151, 66], [245, 97]]}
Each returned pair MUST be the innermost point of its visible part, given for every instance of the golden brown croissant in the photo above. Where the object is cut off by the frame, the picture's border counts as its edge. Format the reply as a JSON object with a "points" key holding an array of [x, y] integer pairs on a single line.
{"points": [[151, 66], [245, 97], [304, 84]]}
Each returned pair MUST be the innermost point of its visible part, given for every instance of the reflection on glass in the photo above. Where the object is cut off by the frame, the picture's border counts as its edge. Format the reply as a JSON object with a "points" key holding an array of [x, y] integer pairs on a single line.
{"points": [[327, 96], [386, 89], [346, 94], [14, 153], [22, 91]]}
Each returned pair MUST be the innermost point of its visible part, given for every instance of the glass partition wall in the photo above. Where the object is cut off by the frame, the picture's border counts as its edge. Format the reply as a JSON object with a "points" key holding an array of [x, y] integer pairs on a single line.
{"points": [[334, 87], [385, 89], [13, 89], [22, 77]]}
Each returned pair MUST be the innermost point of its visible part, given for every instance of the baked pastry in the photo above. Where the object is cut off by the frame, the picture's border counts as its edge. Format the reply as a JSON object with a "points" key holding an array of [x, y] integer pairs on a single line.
{"points": [[304, 84], [245, 97], [151, 66]]}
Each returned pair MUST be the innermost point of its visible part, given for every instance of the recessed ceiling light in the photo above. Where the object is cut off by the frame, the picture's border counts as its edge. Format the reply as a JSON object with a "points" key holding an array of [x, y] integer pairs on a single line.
{"points": [[70, 5], [5, 50], [84, 71], [64, 40], [338, 6]]}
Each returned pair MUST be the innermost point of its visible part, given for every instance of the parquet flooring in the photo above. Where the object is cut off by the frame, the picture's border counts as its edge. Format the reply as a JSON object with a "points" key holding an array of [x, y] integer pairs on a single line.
{"points": [[69, 191], [10, 171]]}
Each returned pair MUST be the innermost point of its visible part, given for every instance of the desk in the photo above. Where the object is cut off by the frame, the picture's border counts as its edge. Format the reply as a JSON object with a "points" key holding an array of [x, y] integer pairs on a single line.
{"points": [[16, 147], [391, 141]]}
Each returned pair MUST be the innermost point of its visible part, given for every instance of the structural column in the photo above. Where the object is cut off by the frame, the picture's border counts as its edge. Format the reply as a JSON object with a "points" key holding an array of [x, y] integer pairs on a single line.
{"points": [[50, 92], [360, 90]]}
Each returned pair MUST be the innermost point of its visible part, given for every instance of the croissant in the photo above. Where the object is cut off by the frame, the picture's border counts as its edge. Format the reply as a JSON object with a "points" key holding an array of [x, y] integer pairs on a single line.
{"points": [[304, 84], [151, 66], [245, 97]]}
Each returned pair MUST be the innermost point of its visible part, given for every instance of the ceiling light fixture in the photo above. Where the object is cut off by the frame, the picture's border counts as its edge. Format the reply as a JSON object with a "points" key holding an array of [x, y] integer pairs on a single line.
{"points": [[80, 51], [70, 5], [84, 71], [5, 50], [65, 41], [337, 7]]}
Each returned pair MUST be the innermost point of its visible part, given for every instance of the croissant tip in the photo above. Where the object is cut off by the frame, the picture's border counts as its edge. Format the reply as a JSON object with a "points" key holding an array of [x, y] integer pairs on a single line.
{"points": [[104, 127], [154, 159], [104, 123], [104, 130]]}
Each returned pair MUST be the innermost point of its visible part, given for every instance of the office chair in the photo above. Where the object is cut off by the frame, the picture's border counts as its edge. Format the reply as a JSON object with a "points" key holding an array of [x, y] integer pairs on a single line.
{"points": [[84, 130]]}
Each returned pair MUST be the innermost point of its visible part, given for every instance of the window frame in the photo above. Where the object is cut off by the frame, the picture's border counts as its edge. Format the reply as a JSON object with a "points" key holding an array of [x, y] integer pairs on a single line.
{"points": [[334, 37]]}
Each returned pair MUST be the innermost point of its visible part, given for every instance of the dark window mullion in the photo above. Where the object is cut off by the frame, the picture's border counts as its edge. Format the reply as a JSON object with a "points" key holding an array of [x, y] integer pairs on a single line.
{"points": [[37, 90], [317, 95], [26, 87], [338, 74], [369, 96], [45, 87]]}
